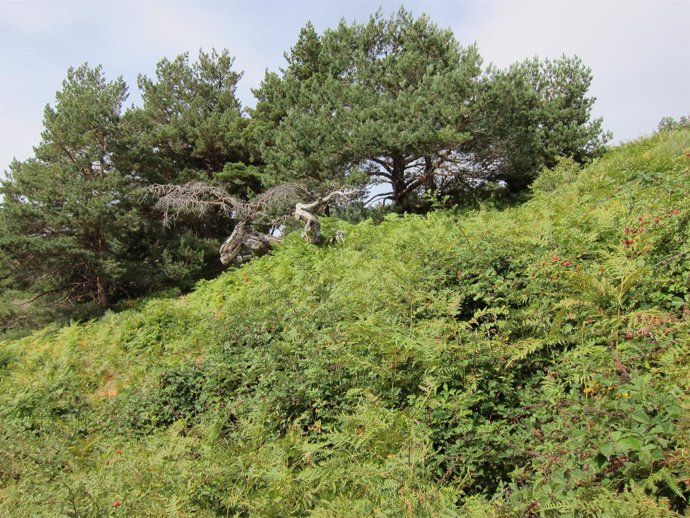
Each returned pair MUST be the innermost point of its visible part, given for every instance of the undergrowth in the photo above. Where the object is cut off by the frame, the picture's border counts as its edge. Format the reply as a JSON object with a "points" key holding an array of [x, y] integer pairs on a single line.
{"points": [[533, 361]]}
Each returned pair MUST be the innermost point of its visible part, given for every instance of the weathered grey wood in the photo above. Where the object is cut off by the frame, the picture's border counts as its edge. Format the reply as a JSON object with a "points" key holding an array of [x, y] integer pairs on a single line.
{"points": [[245, 241], [305, 212]]}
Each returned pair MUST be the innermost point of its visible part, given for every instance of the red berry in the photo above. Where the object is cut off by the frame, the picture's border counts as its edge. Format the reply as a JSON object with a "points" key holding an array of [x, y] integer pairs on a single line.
{"points": [[627, 230], [676, 211], [628, 242], [554, 259], [640, 219], [116, 503], [566, 263]]}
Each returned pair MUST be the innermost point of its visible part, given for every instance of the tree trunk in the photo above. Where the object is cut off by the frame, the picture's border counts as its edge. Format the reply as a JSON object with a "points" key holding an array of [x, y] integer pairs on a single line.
{"points": [[312, 225], [245, 243], [103, 298], [428, 175], [398, 183]]}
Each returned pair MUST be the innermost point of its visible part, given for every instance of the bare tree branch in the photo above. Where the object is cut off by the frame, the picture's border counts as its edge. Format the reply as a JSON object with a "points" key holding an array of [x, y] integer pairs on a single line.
{"points": [[279, 194], [312, 225], [245, 241], [191, 198], [377, 196]]}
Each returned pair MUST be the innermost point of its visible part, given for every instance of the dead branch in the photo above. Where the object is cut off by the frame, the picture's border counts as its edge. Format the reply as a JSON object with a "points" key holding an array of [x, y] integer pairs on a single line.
{"points": [[245, 241], [26, 303], [278, 195], [386, 195], [307, 212], [195, 198]]}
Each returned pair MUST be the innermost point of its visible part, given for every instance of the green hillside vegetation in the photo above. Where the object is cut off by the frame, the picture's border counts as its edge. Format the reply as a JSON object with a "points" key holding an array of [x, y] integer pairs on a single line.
{"points": [[532, 361], [393, 110]]}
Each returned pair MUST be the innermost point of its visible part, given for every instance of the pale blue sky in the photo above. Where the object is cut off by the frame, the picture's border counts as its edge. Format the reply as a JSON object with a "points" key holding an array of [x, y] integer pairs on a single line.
{"points": [[638, 51]]}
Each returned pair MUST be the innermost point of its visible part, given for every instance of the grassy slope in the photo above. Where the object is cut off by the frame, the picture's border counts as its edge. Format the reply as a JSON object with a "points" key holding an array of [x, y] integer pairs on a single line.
{"points": [[437, 366]]}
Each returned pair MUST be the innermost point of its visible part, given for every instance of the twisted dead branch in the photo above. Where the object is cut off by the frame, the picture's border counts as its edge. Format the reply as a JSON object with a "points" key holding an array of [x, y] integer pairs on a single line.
{"points": [[196, 198], [307, 212], [271, 207]]}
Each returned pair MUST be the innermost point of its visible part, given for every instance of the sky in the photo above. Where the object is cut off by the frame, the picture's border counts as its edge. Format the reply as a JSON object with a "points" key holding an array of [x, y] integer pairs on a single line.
{"points": [[639, 51]]}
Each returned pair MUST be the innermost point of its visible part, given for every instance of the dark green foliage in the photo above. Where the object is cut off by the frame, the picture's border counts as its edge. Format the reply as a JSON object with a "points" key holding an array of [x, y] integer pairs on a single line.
{"points": [[68, 221], [392, 101], [524, 362], [531, 114], [190, 125], [386, 98], [399, 101], [77, 234], [189, 128]]}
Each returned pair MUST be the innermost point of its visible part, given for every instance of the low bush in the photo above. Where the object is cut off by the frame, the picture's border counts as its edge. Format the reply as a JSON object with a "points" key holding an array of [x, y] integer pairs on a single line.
{"points": [[532, 361]]}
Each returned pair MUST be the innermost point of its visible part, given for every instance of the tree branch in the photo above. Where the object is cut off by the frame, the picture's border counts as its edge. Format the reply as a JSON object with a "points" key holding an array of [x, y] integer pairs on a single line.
{"points": [[244, 242], [312, 225], [380, 195], [383, 164], [427, 175], [44, 293], [190, 198]]}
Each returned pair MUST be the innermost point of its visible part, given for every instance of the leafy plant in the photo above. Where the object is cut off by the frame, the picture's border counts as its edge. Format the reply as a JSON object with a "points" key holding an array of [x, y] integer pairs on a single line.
{"points": [[531, 361]]}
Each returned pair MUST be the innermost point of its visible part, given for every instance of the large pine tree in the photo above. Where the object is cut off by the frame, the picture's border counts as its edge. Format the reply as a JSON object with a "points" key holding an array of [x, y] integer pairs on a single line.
{"points": [[77, 232], [397, 100], [383, 100], [190, 127], [69, 222]]}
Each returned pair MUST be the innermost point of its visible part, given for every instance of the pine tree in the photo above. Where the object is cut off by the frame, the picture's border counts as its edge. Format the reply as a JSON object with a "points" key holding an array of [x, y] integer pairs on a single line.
{"points": [[190, 125], [382, 101], [69, 222], [529, 115], [399, 101], [190, 128]]}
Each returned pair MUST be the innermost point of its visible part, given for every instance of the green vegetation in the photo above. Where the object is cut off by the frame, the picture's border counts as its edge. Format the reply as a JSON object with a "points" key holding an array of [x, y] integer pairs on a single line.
{"points": [[466, 361], [78, 236], [526, 362], [399, 101], [395, 100]]}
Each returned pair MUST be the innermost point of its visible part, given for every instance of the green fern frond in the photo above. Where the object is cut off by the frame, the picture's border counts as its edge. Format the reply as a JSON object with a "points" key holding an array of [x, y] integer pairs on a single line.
{"points": [[524, 348], [664, 475]]}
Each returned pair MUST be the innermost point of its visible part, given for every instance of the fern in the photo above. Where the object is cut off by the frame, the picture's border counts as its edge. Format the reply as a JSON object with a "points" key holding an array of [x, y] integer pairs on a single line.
{"points": [[523, 349], [665, 476]]}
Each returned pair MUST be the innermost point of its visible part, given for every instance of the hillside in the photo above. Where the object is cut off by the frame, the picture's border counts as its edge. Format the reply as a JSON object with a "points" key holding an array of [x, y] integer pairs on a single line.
{"points": [[533, 361]]}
